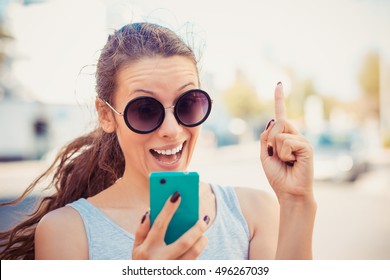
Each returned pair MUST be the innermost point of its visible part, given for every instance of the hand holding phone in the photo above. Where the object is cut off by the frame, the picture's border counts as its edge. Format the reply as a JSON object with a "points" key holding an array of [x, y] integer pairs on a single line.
{"points": [[162, 186]]}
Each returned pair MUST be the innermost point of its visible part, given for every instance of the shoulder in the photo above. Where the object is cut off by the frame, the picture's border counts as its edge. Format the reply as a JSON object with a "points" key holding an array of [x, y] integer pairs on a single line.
{"points": [[60, 234], [251, 199], [61, 217], [261, 211]]}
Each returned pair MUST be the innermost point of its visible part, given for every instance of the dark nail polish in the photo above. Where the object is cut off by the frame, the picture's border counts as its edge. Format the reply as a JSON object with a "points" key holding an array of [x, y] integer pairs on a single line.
{"points": [[270, 150], [144, 217], [290, 163], [269, 123], [279, 83], [175, 197], [206, 219]]}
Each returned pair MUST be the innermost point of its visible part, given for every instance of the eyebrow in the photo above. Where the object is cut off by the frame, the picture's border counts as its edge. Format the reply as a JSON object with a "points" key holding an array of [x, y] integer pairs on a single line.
{"points": [[153, 93]]}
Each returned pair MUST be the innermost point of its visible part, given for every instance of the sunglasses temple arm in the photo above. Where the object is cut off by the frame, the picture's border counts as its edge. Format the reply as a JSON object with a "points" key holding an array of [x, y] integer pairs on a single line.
{"points": [[112, 108]]}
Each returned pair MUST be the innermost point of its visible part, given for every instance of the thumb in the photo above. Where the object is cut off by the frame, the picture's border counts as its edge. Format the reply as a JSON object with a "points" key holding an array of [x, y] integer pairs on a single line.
{"points": [[142, 230]]}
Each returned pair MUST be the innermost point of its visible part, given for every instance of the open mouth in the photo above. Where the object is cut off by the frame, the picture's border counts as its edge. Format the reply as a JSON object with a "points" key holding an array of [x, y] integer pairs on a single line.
{"points": [[169, 156]]}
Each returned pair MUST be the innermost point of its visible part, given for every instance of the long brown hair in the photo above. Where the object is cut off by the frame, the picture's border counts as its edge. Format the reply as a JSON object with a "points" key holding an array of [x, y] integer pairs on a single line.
{"points": [[94, 161]]}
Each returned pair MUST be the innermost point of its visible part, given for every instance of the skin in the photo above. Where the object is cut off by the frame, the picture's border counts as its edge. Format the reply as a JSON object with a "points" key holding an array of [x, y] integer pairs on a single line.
{"points": [[293, 185], [280, 228]]}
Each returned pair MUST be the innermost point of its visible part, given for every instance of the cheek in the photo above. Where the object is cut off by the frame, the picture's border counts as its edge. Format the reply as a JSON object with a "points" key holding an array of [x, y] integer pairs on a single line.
{"points": [[194, 132], [132, 144]]}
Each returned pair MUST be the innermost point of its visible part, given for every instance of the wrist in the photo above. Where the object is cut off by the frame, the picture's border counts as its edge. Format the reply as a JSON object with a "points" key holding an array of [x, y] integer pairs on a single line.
{"points": [[297, 203], [305, 198], [297, 218]]}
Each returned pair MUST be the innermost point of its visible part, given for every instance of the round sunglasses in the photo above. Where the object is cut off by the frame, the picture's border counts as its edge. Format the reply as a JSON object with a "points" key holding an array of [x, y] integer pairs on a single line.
{"points": [[145, 114]]}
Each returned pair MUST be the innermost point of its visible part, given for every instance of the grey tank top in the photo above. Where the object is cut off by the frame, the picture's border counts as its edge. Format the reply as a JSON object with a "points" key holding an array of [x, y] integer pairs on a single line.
{"points": [[228, 235]]}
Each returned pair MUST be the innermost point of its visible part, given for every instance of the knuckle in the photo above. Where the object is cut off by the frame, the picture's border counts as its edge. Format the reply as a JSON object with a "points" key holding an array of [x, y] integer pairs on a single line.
{"points": [[282, 122], [186, 243], [271, 137], [200, 227], [204, 241], [141, 254], [197, 250], [280, 137], [145, 255], [288, 142], [158, 224], [200, 245]]}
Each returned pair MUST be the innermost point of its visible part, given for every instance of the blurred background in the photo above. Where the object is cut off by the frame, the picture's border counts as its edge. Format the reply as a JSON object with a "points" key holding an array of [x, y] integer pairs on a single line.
{"points": [[333, 58]]}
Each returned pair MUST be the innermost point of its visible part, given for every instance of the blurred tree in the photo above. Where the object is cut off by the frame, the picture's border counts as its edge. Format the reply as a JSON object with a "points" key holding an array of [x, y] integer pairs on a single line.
{"points": [[369, 81], [5, 58], [295, 101], [4, 37], [352, 108], [330, 102], [241, 98]]}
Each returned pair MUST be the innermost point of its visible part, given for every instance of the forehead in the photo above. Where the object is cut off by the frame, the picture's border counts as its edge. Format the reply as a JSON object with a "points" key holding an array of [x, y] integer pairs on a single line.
{"points": [[157, 74]]}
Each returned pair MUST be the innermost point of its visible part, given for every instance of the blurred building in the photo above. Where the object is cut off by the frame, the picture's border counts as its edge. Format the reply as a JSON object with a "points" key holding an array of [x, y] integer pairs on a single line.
{"points": [[38, 74], [30, 129]]}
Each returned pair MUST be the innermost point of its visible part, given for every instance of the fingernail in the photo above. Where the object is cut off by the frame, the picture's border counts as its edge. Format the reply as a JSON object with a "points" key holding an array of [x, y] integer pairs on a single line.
{"points": [[270, 150], [175, 197], [206, 219], [291, 162], [144, 217], [279, 83], [269, 123]]}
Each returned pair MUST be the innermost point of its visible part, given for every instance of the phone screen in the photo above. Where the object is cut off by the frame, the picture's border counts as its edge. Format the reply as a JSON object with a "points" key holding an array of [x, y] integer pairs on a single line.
{"points": [[162, 186]]}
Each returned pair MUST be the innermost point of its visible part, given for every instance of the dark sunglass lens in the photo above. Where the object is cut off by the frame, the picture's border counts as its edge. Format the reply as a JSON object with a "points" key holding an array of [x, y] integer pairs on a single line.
{"points": [[193, 108], [144, 114]]}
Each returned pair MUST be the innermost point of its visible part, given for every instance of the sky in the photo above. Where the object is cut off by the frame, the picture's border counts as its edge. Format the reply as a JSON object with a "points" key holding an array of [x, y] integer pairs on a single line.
{"points": [[321, 40]]}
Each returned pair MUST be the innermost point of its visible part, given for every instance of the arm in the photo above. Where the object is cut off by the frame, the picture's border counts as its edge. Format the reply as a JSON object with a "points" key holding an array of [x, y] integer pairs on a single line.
{"points": [[287, 159], [60, 235], [296, 228], [261, 211]]}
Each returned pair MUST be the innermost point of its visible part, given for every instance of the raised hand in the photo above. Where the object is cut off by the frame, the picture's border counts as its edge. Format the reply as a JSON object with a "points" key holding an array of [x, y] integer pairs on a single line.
{"points": [[286, 156]]}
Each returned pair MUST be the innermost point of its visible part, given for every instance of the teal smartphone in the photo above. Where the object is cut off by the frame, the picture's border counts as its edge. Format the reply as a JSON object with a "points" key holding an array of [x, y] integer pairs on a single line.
{"points": [[162, 186]]}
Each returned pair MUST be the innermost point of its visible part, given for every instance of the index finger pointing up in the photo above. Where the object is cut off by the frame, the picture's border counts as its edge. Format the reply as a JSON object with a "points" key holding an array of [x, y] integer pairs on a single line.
{"points": [[280, 107]]}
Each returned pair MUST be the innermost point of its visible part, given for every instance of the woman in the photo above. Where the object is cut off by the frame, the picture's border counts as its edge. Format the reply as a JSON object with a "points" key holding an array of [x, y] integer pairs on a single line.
{"points": [[150, 109]]}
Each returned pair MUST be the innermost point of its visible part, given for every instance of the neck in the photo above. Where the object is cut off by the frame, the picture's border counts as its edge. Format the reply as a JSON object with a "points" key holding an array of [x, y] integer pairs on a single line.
{"points": [[134, 186]]}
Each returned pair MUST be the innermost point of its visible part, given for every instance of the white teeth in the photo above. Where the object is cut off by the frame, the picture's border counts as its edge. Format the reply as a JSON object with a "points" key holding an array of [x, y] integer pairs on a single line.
{"points": [[170, 152]]}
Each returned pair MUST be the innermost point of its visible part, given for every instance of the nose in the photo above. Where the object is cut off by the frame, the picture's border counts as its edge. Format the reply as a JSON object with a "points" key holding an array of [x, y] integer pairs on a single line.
{"points": [[170, 128]]}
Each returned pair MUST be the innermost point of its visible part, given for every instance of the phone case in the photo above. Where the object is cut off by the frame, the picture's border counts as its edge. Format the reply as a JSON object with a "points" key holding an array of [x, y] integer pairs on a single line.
{"points": [[162, 186]]}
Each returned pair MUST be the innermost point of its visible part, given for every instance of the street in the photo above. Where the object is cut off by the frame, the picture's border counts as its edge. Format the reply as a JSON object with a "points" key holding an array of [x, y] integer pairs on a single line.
{"points": [[353, 219], [352, 222]]}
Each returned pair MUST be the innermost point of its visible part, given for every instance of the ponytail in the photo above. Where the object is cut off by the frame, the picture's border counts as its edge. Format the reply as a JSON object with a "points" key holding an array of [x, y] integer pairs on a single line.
{"points": [[83, 168]]}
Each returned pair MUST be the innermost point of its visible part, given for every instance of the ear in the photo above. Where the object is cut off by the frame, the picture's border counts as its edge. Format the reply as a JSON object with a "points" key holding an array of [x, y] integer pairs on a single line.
{"points": [[105, 115]]}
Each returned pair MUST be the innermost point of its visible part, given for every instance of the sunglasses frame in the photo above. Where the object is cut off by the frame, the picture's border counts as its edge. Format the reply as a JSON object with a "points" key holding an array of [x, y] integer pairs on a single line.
{"points": [[124, 113]]}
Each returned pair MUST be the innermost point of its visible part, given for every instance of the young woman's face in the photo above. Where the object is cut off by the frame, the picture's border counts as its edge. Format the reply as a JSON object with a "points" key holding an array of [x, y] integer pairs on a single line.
{"points": [[170, 147]]}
